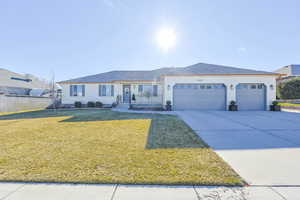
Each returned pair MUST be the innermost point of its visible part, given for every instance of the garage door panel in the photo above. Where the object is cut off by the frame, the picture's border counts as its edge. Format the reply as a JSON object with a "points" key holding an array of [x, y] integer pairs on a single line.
{"points": [[251, 96], [199, 96]]}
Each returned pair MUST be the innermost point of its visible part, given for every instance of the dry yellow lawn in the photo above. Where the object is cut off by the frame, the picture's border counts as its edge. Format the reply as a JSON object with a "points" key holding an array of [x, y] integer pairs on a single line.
{"points": [[101, 146]]}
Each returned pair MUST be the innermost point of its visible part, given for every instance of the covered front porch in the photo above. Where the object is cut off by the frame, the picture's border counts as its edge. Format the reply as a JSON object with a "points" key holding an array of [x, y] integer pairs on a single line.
{"points": [[140, 94]]}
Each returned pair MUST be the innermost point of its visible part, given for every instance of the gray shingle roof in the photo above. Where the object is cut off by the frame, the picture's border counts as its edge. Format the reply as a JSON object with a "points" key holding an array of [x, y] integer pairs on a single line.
{"points": [[200, 68]]}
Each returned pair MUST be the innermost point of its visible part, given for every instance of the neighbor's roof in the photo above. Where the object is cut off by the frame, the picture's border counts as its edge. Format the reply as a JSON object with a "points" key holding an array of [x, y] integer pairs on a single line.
{"points": [[197, 69], [295, 70], [13, 79], [289, 70]]}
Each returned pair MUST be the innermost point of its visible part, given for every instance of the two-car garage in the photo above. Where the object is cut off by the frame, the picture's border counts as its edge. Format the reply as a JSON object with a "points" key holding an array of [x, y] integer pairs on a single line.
{"points": [[249, 96]]}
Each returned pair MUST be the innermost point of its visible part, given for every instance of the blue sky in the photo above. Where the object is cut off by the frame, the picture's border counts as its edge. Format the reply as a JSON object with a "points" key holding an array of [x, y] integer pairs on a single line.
{"points": [[73, 38]]}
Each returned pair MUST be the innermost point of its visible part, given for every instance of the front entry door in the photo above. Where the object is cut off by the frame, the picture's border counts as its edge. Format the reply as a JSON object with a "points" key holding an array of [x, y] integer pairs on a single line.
{"points": [[126, 94]]}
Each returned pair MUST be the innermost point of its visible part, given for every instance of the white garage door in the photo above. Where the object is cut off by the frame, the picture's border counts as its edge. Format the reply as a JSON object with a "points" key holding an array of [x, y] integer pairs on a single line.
{"points": [[251, 96], [199, 97]]}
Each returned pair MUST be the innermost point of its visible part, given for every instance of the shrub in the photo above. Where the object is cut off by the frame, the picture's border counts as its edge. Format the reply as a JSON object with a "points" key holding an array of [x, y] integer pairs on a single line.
{"points": [[99, 104], [168, 106], [233, 106], [133, 97], [275, 103], [232, 103], [114, 104], [78, 104], [91, 104], [289, 89]]}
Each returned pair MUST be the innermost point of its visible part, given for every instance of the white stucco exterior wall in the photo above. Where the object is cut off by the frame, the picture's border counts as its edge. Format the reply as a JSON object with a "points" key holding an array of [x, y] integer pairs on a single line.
{"points": [[92, 93], [165, 88], [228, 80]]}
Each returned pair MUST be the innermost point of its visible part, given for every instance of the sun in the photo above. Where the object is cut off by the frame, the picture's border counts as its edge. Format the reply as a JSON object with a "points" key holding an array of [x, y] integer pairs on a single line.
{"points": [[166, 39]]}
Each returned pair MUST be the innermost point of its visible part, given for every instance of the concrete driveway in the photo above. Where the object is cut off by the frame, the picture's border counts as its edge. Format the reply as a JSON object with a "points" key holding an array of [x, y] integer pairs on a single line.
{"points": [[262, 147]]}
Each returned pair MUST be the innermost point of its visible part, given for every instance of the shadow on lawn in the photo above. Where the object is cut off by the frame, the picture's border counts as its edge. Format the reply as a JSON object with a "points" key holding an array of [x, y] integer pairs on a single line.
{"points": [[79, 115], [170, 134], [166, 131], [37, 114]]}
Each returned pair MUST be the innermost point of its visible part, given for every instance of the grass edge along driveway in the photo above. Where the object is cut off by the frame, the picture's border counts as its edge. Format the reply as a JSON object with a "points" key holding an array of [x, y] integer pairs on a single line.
{"points": [[102, 146]]}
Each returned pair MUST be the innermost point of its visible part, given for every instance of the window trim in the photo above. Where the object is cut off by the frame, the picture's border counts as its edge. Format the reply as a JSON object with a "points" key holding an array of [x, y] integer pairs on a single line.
{"points": [[74, 91], [154, 89], [104, 92]]}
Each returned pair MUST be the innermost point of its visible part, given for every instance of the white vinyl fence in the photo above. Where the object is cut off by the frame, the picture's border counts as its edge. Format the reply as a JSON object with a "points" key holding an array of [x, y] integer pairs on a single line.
{"points": [[12, 103]]}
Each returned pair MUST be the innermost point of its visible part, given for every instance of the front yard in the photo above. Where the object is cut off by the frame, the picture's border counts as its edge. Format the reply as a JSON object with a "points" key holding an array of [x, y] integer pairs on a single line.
{"points": [[102, 146]]}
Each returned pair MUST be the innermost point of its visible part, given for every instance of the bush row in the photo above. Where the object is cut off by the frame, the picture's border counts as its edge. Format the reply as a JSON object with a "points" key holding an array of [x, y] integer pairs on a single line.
{"points": [[92, 104]]}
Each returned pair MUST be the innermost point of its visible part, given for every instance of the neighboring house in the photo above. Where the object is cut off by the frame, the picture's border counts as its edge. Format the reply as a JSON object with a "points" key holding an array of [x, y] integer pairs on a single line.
{"points": [[288, 72], [200, 86], [19, 84], [23, 92]]}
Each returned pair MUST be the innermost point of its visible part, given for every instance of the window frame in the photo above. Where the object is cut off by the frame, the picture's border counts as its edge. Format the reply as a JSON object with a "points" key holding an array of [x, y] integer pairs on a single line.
{"points": [[74, 90], [153, 89], [105, 90]]}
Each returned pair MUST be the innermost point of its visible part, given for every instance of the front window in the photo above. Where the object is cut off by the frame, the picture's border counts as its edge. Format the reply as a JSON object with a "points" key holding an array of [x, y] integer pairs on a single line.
{"points": [[208, 87], [106, 90], [260, 86], [148, 90], [77, 90]]}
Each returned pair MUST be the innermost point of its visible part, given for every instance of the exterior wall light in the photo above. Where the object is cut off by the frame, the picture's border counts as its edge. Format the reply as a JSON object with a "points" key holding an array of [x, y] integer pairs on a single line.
{"points": [[271, 87], [231, 87], [169, 87]]}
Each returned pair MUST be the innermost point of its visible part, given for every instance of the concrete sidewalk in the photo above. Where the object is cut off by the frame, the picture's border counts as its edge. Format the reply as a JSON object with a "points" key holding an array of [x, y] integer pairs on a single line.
{"points": [[28, 191]]}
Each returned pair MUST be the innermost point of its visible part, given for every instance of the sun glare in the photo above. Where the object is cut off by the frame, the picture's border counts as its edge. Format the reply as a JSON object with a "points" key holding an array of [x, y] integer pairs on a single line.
{"points": [[166, 39]]}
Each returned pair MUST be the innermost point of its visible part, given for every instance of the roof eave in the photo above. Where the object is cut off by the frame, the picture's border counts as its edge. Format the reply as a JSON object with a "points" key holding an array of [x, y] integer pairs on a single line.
{"points": [[103, 82], [258, 74], [127, 81]]}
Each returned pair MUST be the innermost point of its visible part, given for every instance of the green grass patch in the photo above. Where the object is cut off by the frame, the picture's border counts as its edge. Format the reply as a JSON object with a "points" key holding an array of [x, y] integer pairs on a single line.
{"points": [[102, 146]]}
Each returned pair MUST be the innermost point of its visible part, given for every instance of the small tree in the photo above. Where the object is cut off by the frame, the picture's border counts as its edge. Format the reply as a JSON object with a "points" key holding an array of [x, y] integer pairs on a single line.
{"points": [[147, 94], [52, 93]]}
